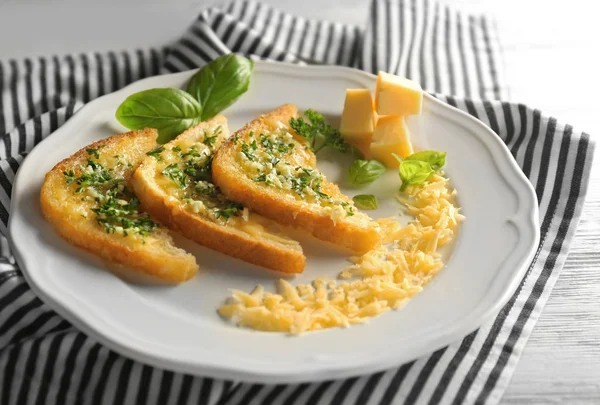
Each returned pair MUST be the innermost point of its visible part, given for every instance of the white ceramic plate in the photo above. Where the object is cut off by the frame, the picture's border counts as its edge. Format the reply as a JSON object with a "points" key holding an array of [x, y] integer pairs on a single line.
{"points": [[178, 328]]}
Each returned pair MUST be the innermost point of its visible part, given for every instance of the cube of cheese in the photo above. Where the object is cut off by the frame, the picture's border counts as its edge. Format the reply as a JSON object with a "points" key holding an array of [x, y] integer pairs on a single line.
{"points": [[357, 118], [396, 95], [391, 136]]}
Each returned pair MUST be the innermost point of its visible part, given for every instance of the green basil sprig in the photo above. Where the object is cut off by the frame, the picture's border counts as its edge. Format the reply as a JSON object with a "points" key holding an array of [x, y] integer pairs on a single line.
{"points": [[435, 159], [220, 83], [414, 172], [366, 201], [171, 111], [417, 168], [363, 172]]}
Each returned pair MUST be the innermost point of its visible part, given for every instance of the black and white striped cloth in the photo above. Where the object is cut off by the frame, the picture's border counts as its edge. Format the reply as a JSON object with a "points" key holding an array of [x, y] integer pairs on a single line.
{"points": [[44, 360]]}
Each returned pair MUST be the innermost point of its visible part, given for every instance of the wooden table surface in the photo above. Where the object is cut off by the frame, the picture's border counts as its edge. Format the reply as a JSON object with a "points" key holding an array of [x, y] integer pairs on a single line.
{"points": [[552, 62]]}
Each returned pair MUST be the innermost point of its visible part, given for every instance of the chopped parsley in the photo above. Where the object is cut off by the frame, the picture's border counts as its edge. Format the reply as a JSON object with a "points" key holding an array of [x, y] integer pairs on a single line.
{"points": [[116, 212], [349, 209], [250, 150], [116, 208], [176, 148], [207, 189], [70, 176], [308, 178], [195, 166], [231, 209], [199, 170], [176, 175], [121, 160], [276, 145], [278, 169], [93, 175], [210, 141], [156, 152], [193, 174], [93, 152], [262, 178], [304, 182], [215, 201], [192, 151]]}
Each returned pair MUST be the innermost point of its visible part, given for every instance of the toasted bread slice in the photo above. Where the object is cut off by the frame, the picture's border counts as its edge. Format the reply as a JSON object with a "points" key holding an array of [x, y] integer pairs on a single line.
{"points": [[270, 169], [87, 200], [174, 185]]}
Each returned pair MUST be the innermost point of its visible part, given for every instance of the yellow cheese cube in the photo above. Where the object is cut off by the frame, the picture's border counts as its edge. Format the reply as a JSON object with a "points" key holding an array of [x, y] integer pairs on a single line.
{"points": [[384, 153], [390, 128], [396, 95], [391, 136], [357, 118]]}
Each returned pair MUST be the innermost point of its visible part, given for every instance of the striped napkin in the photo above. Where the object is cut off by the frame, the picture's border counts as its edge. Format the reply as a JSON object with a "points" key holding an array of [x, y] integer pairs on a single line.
{"points": [[45, 360]]}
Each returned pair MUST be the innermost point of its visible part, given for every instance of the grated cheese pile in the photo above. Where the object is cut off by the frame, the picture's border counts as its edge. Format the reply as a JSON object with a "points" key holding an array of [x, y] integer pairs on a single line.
{"points": [[378, 281]]}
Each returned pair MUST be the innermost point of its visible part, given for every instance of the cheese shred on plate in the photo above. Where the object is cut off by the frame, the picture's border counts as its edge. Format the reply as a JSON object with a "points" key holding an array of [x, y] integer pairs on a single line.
{"points": [[380, 280]]}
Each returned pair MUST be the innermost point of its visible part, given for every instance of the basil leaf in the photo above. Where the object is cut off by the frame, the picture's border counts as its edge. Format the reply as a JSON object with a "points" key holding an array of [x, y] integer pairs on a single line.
{"points": [[435, 159], [366, 201], [414, 172], [220, 83], [363, 172], [170, 111]]}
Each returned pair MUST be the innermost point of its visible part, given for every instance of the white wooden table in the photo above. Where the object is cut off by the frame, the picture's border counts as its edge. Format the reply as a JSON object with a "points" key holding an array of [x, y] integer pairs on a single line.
{"points": [[552, 63]]}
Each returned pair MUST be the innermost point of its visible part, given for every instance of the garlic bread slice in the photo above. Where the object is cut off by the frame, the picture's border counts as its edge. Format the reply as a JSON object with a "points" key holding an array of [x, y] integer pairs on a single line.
{"points": [[269, 168], [174, 184], [87, 199]]}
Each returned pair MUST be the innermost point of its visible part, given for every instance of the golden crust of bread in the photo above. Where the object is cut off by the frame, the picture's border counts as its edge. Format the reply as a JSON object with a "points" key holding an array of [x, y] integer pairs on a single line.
{"points": [[155, 255], [228, 239], [236, 185]]}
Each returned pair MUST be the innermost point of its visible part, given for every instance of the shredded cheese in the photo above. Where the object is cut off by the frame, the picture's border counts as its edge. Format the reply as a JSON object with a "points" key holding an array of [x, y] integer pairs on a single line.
{"points": [[380, 280]]}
